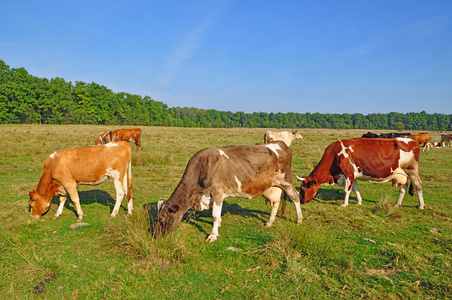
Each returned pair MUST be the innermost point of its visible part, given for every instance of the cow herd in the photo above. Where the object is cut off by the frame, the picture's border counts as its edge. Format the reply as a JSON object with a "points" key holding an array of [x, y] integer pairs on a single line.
{"points": [[214, 174]]}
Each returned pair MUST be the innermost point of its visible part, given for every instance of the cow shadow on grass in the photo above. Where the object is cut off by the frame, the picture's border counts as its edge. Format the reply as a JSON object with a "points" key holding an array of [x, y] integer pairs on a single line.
{"points": [[90, 197], [332, 196], [197, 218]]}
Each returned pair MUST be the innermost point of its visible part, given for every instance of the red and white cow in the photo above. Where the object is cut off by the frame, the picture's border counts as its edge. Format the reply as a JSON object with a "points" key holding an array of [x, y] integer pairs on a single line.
{"points": [[284, 136], [213, 174], [374, 160], [103, 138], [65, 169]]}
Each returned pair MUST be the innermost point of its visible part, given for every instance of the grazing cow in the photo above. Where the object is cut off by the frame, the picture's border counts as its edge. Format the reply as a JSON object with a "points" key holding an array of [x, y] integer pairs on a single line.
{"points": [[421, 138], [370, 135], [213, 174], [284, 136], [432, 145], [127, 135], [65, 169], [375, 160], [446, 139], [103, 138]]}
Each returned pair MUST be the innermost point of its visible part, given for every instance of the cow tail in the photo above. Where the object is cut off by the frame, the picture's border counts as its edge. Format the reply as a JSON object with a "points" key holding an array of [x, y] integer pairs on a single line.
{"points": [[411, 189], [129, 181], [283, 208]]}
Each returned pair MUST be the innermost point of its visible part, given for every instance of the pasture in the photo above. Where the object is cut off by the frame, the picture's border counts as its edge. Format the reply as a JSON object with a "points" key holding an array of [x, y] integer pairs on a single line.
{"points": [[371, 251]]}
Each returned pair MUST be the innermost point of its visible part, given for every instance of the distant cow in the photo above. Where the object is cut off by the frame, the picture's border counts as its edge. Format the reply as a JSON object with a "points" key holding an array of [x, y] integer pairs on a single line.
{"points": [[446, 139], [421, 138], [284, 136], [118, 135], [65, 169], [370, 135], [103, 138], [393, 135], [213, 174], [428, 146], [375, 160]]}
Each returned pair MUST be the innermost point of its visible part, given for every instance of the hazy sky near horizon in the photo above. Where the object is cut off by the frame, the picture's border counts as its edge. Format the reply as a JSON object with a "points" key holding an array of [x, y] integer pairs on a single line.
{"points": [[252, 56]]}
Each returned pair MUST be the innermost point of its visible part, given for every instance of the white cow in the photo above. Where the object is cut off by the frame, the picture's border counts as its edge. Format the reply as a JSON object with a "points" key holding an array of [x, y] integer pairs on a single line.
{"points": [[284, 136]]}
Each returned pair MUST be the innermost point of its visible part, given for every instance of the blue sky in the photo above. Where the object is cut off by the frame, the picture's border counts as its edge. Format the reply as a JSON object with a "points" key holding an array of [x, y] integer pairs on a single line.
{"points": [[253, 56]]}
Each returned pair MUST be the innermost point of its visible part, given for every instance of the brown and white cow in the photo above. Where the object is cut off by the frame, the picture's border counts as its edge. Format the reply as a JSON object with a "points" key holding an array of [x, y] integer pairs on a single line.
{"points": [[374, 160], [428, 146], [284, 136], [421, 138], [213, 174], [103, 138], [65, 169]]}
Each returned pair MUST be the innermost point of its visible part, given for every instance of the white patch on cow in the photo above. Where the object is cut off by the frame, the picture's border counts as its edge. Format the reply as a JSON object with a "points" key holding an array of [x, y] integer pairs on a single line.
{"points": [[405, 140], [222, 153], [52, 155], [206, 202], [239, 189], [274, 148], [343, 151], [111, 145]]}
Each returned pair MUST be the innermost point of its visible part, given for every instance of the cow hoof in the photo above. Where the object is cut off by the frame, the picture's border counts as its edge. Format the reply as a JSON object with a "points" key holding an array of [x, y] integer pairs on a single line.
{"points": [[268, 224], [396, 205], [56, 217], [344, 205], [420, 207], [211, 238]]}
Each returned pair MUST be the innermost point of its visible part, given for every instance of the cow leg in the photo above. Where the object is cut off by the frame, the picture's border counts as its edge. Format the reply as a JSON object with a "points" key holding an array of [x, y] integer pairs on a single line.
{"points": [[295, 197], [119, 196], [60, 207], [216, 217], [358, 194], [417, 183], [401, 195], [72, 191], [347, 189], [274, 196]]}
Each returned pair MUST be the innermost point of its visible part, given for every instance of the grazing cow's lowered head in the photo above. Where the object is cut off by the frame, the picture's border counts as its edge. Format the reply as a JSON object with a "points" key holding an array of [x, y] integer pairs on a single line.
{"points": [[39, 204], [169, 216]]}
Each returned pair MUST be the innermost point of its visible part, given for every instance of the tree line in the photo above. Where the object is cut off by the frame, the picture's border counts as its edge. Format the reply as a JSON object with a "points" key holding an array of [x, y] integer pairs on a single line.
{"points": [[28, 99]]}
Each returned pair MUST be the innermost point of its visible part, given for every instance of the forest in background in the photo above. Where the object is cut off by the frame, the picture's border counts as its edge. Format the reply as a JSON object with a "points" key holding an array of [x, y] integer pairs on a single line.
{"points": [[28, 99]]}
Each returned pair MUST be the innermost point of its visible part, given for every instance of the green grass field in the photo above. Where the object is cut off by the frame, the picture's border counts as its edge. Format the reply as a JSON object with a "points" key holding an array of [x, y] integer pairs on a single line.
{"points": [[371, 251]]}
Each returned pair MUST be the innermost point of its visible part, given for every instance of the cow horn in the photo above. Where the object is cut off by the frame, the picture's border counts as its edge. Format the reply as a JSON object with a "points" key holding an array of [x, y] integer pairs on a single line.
{"points": [[299, 178], [160, 204]]}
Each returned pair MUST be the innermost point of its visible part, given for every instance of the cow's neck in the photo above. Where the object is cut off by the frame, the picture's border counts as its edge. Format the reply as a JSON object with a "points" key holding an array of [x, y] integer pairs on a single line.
{"points": [[322, 172], [46, 186]]}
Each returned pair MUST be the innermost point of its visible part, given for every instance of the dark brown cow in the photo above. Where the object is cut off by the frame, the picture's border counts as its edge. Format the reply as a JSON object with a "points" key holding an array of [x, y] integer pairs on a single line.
{"points": [[213, 174], [421, 138], [127, 135], [375, 160], [65, 169], [446, 139]]}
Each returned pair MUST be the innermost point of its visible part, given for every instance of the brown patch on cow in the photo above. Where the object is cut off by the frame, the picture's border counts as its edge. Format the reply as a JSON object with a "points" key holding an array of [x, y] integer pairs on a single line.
{"points": [[39, 289], [410, 167]]}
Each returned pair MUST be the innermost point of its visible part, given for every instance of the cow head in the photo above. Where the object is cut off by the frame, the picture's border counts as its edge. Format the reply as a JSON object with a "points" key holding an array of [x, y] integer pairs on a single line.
{"points": [[38, 204], [308, 189], [169, 216]]}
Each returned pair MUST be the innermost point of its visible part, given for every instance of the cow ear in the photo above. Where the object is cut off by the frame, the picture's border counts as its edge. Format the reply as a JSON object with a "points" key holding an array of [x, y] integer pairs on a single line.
{"points": [[174, 208]]}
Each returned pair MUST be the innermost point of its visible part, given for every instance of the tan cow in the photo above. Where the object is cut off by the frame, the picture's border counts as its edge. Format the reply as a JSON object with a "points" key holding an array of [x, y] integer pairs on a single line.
{"points": [[421, 138], [65, 169], [284, 136]]}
